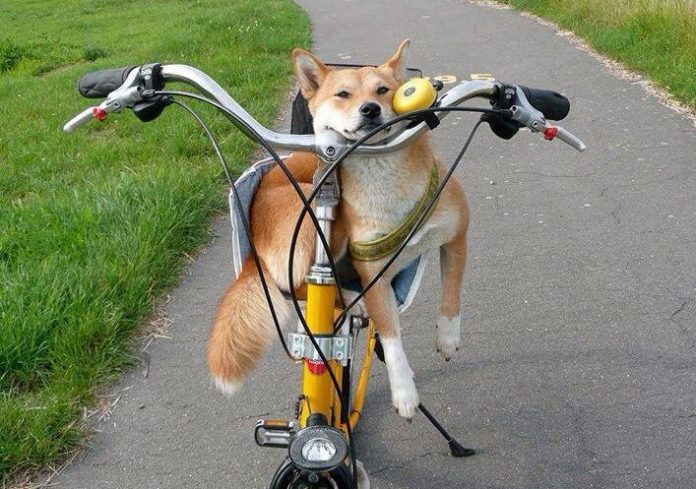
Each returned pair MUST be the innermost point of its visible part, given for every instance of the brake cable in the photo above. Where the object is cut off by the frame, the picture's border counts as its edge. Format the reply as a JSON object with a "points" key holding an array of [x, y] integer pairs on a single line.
{"points": [[306, 208], [350, 150], [343, 396], [277, 159], [423, 217], [245, 223]]}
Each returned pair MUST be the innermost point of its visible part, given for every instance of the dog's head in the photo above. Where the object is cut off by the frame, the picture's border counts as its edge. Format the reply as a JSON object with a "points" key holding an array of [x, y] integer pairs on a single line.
{"points": [[351, 102]]}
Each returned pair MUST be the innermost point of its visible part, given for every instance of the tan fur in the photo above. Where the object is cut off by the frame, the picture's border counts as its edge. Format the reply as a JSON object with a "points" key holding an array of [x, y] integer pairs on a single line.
{"points": [[242, 328], [377, 193]]}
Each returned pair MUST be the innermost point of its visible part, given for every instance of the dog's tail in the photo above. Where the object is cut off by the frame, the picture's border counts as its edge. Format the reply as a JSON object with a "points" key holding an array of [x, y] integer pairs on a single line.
{"points": [[243, 327]]}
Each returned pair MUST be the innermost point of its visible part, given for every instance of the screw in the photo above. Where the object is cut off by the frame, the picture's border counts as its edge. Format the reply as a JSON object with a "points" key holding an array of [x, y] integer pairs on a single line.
{"points": [[330, 151]]}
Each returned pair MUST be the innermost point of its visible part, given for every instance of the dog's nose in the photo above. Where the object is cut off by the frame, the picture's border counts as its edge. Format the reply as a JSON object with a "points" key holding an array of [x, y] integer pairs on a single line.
{"points": [[370, 109]]}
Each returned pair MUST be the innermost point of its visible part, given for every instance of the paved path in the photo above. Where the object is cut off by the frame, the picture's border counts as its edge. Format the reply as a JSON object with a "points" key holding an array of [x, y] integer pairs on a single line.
{"points": [[578, 366]]}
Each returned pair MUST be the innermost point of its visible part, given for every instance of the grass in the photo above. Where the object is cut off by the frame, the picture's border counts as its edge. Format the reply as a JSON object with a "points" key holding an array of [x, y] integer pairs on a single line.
{"points": [[96, 224], [654, 37]]}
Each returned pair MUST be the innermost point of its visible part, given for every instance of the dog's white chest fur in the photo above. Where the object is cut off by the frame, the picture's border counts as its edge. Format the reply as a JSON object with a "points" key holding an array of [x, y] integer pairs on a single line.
{"points": [[382, 192]]}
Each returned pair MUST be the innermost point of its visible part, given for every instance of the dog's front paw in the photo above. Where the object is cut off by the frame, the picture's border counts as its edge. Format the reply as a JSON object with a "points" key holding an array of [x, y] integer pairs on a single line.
{"points": [[448, 333], [405, 396]]}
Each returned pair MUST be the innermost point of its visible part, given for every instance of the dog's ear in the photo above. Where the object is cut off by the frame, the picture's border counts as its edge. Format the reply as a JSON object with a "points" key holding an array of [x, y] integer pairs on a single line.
{"points": [[310, 72], [397, 63]]}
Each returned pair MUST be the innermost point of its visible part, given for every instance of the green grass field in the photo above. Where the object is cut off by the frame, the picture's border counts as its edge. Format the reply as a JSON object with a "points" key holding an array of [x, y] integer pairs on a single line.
{"points": [[654, 37], [96, 224]]}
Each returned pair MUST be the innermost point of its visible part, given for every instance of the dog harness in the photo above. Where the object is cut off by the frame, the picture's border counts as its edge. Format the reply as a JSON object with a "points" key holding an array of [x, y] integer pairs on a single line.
{"points": [[405, 284], [386, 245]]}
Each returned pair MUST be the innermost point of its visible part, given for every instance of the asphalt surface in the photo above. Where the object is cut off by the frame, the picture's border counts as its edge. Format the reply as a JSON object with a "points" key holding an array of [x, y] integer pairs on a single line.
{"points": [[578, 362]]}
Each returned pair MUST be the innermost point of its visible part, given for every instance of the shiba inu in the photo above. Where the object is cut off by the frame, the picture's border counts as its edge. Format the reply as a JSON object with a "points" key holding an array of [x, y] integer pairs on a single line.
{"points": [[378, 194]]}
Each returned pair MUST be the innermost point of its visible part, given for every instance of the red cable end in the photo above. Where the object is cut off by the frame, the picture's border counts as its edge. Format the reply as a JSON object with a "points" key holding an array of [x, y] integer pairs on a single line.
{"points": [[99, 114], [550, 133], [316, 367]]}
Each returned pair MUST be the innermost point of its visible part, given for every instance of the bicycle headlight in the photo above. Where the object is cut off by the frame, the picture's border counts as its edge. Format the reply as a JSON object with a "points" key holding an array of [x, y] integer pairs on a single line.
{"points": [[318, 448]]}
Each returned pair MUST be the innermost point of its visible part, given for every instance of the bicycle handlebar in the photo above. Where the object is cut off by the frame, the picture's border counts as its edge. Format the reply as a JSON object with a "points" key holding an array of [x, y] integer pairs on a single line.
{"points": [[531, 108]]}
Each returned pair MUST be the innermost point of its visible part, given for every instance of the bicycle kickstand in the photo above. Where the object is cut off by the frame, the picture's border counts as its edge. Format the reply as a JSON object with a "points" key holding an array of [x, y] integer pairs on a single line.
{"points": [[456, 448]]}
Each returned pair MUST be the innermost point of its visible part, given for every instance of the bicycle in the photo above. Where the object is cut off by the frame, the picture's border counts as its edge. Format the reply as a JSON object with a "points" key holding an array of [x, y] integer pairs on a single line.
{"points": [[319, 440]]}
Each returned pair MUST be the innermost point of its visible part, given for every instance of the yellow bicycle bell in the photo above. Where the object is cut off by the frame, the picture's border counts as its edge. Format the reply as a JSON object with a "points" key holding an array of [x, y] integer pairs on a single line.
{"points": [[415, 94]]}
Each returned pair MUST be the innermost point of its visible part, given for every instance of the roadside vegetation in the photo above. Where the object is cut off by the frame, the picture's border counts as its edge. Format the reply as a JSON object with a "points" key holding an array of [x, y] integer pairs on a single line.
{"points": [[654, 37], [95, 225]]}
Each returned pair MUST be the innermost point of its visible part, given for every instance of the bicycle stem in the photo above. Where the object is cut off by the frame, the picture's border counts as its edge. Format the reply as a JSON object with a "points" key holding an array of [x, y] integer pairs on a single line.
{"points": [[326, 204]]}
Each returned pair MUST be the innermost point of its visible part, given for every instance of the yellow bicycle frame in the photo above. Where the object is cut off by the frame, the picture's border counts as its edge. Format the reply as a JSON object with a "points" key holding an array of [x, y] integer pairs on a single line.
{"points": [[318, 392]]}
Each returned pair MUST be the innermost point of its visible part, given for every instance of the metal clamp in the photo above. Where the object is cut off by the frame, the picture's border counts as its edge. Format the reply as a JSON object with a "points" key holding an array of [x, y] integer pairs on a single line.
{"points": [[525, 113], [338, 347]]}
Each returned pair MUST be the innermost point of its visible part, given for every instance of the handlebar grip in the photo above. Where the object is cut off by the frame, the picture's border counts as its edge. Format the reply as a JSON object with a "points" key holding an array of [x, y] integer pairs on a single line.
{"points": [[552, 104], [99, 84]]}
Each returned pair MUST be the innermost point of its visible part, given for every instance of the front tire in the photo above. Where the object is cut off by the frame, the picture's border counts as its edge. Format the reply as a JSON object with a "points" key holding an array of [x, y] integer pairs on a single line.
{"points": [[290, 477]]}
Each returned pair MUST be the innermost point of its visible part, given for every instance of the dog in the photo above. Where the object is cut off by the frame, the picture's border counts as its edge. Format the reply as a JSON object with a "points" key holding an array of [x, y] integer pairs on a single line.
{"points": [[377, 194]]}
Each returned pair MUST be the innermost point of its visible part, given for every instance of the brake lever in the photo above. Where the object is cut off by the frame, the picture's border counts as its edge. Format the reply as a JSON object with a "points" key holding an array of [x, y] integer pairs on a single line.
{"points": [[127, 95], [525, 113], [98, 112], [81, 118], [551, 132], [113, 103]]}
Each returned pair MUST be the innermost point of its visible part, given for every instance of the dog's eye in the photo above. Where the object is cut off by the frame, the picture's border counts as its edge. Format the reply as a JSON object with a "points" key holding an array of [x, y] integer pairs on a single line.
{"points": [[382, 90], [343, 94]]}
